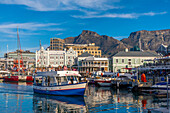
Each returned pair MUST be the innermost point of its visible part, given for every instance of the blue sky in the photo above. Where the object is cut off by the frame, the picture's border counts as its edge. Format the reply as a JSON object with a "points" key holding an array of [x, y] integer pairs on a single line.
{"points": [[44, 19]]}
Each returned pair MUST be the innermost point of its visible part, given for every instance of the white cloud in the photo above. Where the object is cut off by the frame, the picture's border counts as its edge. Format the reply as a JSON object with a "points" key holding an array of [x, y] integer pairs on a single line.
{"points": [[6, 40], [53, 5], [128, 15], [28, 28], [59, 34]]}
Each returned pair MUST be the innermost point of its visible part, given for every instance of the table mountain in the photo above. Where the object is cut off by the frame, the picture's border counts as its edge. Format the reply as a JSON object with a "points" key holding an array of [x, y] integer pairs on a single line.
{"points": [[150, 40], [108, 45]]}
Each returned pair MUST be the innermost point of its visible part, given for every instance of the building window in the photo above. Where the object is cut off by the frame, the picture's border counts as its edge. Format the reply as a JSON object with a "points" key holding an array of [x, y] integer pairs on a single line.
{"points": [[129, 59], [129, 63], [122, 60], [116, 60]]}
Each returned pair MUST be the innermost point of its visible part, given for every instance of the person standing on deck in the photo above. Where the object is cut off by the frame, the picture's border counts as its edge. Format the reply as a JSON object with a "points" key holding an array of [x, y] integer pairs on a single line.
{"points": [[143, 78]]}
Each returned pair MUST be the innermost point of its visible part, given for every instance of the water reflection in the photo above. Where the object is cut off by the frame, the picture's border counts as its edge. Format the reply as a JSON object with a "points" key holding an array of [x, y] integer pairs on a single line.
{"points": [[58, 104], [118, 101], [20, 98]]}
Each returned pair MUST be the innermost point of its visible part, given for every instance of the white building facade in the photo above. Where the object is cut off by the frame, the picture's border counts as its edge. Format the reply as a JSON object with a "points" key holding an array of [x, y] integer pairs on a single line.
{"points": [[92, 64], [53, 58]]}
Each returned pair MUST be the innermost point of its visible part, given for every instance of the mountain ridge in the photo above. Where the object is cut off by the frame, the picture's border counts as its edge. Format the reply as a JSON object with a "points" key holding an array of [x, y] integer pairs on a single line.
{"points": [[150, 40]]}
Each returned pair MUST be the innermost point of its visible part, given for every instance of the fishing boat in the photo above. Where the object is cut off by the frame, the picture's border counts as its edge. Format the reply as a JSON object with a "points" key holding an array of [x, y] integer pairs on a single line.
{"points": [[4, 74], [122, 81], [162, 86], [18, 68], [103, 79], [16, 78], [59, 83], [103, 82]]}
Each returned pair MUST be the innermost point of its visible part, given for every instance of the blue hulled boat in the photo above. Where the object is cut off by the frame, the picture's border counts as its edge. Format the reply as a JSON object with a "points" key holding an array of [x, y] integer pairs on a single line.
{"points": [[59, 83]]}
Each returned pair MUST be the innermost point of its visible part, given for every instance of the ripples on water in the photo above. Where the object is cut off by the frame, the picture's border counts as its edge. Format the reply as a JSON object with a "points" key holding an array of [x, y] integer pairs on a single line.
{"points": [[19, 98]]}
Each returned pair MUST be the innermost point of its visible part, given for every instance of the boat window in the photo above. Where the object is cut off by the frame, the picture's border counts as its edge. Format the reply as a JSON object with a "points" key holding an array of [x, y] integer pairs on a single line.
{"points": [[75, 78], [68, 77], [57, 81], [65, 79]]}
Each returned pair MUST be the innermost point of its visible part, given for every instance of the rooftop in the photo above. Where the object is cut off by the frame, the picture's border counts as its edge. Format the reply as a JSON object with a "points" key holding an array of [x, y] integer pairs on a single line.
{"points": [[136, 54], [85, 54]]}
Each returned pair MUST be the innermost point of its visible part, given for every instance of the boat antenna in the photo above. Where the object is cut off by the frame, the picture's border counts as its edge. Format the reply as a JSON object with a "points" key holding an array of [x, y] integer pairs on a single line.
{"points": [[7, 58], [40, 44], [18, 52]]}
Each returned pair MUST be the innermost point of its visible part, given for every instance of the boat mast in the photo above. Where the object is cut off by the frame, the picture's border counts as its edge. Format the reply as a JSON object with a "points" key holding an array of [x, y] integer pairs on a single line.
{"points": [[18, 52], [7, 58]]}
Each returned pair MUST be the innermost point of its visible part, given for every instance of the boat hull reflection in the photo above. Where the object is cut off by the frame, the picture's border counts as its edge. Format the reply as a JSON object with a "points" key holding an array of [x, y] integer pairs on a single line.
{"points": [[60, 104]]}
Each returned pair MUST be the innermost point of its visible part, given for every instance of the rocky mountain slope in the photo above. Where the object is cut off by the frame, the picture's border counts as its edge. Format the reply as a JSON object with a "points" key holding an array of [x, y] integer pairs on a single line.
{"points": [[150, 40], [108, 45]]}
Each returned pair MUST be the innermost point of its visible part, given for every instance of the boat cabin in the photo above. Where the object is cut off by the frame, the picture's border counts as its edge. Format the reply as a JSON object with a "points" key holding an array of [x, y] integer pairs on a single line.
{"points": [[55, 78]]}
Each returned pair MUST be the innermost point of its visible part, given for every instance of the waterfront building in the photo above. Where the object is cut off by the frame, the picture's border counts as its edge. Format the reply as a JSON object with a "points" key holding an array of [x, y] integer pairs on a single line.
{"points": [[92, 64], [9, 63], [25, 54], [11, 59], [80, 58], [57, 44], [53, 58], [89, 48], [6, 63], [131, 59]]}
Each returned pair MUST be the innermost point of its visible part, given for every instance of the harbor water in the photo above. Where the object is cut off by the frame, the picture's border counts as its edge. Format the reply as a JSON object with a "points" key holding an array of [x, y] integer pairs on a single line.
{"points": [[19, 98]]}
